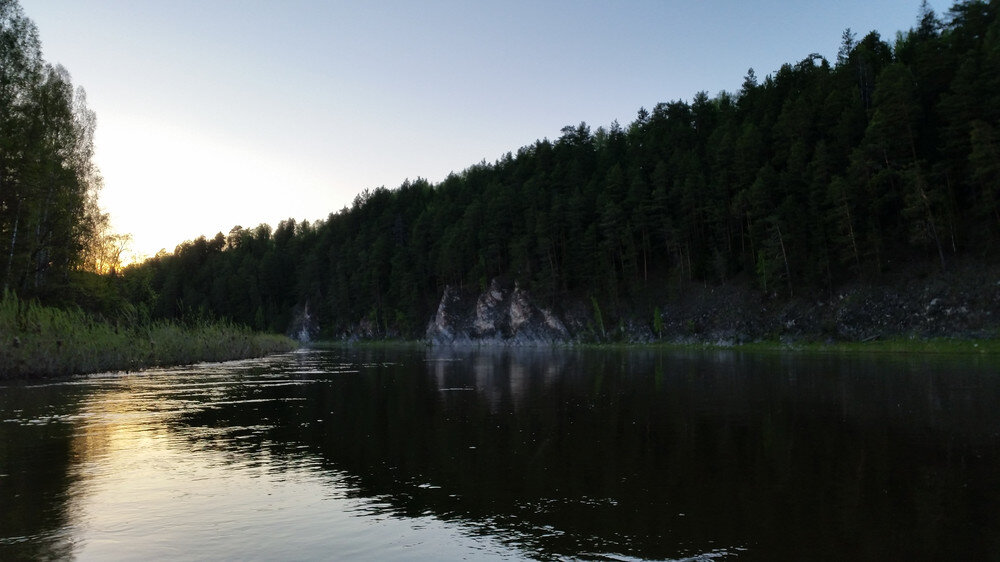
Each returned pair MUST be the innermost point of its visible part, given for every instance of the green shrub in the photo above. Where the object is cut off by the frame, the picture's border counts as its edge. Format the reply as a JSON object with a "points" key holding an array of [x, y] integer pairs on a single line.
{"points": [[40, 341]]}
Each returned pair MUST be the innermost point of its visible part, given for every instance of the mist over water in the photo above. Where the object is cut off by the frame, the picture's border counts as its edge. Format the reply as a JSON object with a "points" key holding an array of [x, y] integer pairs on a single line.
{"points": [[414, 453]]}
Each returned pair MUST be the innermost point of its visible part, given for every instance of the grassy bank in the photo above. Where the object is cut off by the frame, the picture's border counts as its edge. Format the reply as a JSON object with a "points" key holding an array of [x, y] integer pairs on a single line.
{"points": [[39, 341], [888, 346]]}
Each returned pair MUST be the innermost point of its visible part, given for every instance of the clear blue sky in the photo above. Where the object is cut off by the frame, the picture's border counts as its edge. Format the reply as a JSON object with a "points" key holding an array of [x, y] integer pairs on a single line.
{"points": [[216, 113]]}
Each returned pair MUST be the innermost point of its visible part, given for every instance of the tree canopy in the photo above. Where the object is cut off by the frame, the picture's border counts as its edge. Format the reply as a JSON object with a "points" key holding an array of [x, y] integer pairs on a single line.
{"points": [[50, 222], [818, 174]]}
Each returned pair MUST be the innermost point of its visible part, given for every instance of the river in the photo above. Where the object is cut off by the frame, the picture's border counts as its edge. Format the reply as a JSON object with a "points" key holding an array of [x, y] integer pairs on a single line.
{"points": [[409, 453]]}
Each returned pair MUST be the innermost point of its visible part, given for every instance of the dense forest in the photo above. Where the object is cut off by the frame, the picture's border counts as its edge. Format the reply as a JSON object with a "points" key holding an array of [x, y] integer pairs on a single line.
{"points": [[52, 232], [821, 173]]}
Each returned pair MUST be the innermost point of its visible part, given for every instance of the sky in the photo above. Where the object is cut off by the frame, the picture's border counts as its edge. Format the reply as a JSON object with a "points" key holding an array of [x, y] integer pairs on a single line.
{"points": [[218, 113]]}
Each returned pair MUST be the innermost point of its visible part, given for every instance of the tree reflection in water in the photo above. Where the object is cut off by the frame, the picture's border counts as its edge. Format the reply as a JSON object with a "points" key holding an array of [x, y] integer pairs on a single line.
{"points": [[657, 455], [579, 453]]}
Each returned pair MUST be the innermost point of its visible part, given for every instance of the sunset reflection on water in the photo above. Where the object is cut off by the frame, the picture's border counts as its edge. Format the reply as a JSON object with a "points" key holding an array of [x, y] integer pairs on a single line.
{"points": [[411, 453]]}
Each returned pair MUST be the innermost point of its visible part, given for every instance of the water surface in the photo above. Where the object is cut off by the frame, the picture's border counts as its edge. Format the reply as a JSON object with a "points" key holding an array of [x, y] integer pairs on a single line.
{"points": [[417, 454]]}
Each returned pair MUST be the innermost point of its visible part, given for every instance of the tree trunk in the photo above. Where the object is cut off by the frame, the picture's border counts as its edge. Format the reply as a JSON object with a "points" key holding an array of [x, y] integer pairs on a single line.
{"points": [[784, 256], [13, 243]]}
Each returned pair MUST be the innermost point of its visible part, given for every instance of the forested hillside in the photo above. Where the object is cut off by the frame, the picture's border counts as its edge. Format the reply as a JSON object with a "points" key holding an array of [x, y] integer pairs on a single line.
{"points": [[821, 173]]}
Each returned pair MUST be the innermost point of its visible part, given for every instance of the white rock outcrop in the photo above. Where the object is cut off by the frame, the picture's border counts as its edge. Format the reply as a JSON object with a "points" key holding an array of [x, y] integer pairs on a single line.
{"points": [[499, 315]]}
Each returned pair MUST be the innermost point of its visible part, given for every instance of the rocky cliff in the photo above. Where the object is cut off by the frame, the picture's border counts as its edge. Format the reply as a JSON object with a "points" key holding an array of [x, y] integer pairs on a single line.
{"points": [[962, 303], [502, 314], [304, 326]]}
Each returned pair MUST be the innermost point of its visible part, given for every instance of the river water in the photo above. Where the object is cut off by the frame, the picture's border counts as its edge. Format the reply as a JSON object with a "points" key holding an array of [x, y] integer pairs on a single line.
{"points": [[427, 454]]}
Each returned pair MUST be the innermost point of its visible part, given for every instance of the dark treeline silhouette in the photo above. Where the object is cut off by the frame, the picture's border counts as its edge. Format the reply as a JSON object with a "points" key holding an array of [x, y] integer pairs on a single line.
{"points": [[50, 224], [818, 174]]}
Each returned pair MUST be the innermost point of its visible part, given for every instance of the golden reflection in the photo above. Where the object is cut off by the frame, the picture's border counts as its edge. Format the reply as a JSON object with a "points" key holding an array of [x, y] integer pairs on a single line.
{"points": [[114, 421]]}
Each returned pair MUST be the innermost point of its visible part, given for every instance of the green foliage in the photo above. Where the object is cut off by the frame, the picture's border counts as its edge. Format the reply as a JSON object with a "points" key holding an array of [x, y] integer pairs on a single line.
{"points": [[657, 322], [814, 175], [50, 224], [41, 341]]}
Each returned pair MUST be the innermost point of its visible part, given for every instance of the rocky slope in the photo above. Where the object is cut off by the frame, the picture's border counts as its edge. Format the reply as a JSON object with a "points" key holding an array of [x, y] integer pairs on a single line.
{"points": [[501, 315], [962, 303]]}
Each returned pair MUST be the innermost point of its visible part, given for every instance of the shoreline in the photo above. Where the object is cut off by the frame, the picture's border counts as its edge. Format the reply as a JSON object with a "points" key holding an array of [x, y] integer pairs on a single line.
{"points": [[39, 362], [937, 345], [38, 342], [191, 349]]}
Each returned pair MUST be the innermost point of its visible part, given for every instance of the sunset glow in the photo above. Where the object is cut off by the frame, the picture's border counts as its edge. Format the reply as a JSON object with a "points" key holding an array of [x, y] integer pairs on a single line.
{"points": [[212, 115]]}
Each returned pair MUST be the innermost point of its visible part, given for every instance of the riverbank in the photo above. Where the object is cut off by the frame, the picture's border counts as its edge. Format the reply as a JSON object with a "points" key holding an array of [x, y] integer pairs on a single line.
{"points": [[912, 304], [930, 346], [38, 341]]}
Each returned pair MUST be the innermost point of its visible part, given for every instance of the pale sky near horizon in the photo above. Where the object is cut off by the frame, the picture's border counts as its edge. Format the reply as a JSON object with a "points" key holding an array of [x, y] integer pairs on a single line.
{"points": [[216, 113]]}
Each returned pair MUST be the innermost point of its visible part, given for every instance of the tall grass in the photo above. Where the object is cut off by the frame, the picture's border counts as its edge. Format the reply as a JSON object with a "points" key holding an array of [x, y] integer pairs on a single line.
{"points": [[41, 341]]}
